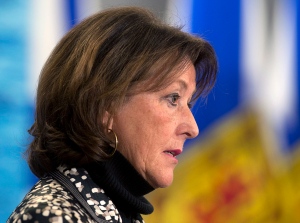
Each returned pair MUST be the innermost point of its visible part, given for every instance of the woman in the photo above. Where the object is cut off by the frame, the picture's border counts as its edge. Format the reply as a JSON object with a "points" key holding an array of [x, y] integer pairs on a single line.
{"points": [[112, 114]]}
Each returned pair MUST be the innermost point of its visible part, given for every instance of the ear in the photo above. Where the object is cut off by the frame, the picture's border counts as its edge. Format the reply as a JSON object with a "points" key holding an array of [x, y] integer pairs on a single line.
{"points": [[107, 118]]}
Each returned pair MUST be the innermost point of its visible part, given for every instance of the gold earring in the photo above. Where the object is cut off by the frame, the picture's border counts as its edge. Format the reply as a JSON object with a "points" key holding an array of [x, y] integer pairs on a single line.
{"points": [[116, 143]]}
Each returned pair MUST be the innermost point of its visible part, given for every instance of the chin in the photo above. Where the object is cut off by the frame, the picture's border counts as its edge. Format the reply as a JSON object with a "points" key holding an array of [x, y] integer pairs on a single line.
{"points": [[163, 183]]}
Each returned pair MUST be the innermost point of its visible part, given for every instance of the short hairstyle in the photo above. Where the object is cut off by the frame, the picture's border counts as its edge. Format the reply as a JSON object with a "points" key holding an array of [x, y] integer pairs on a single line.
{"points": [[94, 68]]}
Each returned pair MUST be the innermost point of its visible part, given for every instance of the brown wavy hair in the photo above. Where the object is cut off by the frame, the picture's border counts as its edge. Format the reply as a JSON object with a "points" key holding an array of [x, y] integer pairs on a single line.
{"points": [[94, 68]]}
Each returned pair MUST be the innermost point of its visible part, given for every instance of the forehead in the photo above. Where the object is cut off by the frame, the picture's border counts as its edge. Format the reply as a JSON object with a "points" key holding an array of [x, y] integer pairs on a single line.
{"points": [[184, 73], [187, 78]]}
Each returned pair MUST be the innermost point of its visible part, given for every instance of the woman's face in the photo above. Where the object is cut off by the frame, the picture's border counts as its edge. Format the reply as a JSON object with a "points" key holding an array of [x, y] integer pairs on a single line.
{"points": [[153, 126]]}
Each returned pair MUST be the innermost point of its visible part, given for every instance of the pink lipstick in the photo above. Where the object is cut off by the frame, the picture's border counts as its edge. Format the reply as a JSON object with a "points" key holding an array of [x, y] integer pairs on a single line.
{"points": [[173, 153]]}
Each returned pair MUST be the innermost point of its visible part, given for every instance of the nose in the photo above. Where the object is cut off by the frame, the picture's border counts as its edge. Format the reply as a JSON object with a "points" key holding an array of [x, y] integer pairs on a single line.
{"points": [[190, 127]]}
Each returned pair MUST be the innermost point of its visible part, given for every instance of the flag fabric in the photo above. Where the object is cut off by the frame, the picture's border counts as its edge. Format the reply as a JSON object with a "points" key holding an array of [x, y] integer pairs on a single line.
{"points": [[258, 51], [15, 108], [268, 64]]}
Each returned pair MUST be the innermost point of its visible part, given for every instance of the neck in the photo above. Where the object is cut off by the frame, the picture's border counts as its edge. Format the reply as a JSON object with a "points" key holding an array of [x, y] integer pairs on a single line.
{"points": [[123, 184]]}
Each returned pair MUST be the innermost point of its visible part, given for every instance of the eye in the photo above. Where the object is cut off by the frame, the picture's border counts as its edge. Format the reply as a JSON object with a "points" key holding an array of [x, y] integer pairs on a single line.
{"points": [[173, 98]]}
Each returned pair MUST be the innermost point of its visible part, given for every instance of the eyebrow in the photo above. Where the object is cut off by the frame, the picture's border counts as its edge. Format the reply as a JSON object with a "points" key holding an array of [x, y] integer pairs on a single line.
{"points": [[184, 85]]}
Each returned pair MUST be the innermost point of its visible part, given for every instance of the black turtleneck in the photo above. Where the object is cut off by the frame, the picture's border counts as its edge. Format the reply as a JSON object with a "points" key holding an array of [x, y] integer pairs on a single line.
{"points": [[124, 185]]}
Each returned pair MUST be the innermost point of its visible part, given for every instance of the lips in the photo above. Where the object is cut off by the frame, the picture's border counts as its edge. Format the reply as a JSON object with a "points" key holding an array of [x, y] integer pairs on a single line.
{"points": [[173, 153]]}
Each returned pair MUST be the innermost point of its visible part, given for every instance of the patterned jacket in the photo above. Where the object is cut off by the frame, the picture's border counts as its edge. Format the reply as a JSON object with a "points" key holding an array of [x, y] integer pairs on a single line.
{"points": [[49, 201]]}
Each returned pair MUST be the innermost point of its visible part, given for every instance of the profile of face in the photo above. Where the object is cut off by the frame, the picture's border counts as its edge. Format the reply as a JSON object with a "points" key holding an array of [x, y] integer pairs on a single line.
{"points": [[153, 126]]}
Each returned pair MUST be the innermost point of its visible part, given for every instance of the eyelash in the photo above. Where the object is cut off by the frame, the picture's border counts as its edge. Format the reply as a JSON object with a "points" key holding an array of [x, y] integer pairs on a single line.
{"points": [[176, 97]]}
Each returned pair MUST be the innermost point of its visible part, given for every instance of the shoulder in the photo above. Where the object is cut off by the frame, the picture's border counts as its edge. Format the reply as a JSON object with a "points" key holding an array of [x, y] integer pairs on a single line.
{"points": [[48, 201]]}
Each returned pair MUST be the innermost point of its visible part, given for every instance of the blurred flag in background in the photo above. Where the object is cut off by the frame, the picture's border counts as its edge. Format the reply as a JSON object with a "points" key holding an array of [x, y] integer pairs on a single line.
{"points": [[228, 180], [244, 166], [15, 105]]}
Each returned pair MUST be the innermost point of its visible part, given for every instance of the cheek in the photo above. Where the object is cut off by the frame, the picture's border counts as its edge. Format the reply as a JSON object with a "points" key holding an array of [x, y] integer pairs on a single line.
{"points": [[159, 121], [145, 127], [159, 131]]}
